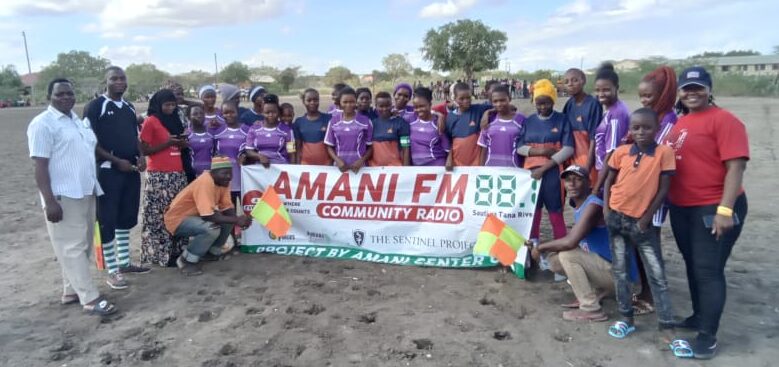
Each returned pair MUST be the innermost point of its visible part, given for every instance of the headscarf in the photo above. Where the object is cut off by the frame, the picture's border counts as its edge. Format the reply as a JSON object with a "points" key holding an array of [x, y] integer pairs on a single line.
{"points": [[228, 91], [403, 86], [256, 92], [664, 80], [544, 87], [205, 89], [173, 124]]}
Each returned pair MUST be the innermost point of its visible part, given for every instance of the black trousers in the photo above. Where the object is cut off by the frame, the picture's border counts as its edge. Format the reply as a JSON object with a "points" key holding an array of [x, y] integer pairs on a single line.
{"points": [[705, 258], [118, 207]]}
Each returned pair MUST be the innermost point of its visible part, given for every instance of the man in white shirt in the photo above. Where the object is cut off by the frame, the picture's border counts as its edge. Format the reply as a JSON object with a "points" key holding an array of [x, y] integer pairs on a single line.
{"points": [[63, 149]]}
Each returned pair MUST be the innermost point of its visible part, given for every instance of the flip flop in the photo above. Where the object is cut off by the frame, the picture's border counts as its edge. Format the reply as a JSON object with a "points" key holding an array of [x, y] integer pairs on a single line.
{"points": [[574, 304], [681, 348], [621, 329], [579, 315], [641, 307]]}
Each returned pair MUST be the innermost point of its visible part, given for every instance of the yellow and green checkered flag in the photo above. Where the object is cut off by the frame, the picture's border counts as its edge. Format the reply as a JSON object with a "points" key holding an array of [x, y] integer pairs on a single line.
{"points": [[272, 214]]}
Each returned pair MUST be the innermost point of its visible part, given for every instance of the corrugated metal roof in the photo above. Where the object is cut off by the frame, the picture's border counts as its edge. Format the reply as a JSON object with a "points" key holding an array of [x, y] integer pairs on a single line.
{"points": [[747, 60]]}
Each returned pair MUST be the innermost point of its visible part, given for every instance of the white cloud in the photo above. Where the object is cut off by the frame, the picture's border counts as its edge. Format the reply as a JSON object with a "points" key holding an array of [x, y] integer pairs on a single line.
{"points": [[282, 59], [126, 55], [48, 7], [178, 33], [446, 9]]}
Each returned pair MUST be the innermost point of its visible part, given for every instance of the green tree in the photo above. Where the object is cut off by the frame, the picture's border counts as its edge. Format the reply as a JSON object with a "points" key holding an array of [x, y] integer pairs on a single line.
{"points": [[235, 73], [419, 73], [396, 66], [338, 74], [194, 79], [87, 73], [144, 79], [287, 77], [466, 45], [271, 71], [10, 83]]}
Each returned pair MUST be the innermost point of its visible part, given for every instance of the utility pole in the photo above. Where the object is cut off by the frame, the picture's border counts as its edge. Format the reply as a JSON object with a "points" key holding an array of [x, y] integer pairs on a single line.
{"points": [[29, 68], [581, 63], [216, 71]]}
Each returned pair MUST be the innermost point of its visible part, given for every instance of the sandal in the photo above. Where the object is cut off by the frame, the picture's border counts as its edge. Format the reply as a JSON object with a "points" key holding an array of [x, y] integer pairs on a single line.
{"points": [[574, 304], [101, 307], [681, 348], [641, 307], [68, 299], [579, 315], [621, 329]]}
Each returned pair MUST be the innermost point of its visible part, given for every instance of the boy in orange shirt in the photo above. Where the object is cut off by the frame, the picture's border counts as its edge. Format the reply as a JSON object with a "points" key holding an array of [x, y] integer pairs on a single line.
{"points": [[638, 180]]}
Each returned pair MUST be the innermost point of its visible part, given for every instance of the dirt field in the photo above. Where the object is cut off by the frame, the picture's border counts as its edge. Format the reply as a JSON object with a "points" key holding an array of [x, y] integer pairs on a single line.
{"points": [[266, 310]]}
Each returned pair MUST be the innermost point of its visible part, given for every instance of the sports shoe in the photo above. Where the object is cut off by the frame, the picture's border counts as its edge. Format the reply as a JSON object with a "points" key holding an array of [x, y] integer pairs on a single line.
{"points": [[116, 281], [135, 269]]}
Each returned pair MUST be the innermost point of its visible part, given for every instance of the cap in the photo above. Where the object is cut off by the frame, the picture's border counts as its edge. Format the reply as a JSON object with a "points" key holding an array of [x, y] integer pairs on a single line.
{"points": [[575, 170], [695, 75], [220, 162]]}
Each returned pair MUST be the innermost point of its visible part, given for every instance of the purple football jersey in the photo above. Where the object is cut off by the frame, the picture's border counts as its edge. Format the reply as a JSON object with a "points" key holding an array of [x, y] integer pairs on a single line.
{"points": [[271, 143], [202, 149], [428, 146], [230, 142], [350, 139], [611, 132], [500, 141]]}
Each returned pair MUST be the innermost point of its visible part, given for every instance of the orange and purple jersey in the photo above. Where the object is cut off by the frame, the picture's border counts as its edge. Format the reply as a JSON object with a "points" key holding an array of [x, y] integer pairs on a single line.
{"points": [[389, 137], [583, 118], [462, 128], [537, 132], [311, 134]]}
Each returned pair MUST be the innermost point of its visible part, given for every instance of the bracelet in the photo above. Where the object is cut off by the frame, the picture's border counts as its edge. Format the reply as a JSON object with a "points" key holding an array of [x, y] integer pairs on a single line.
{"points": [[724, 211]]}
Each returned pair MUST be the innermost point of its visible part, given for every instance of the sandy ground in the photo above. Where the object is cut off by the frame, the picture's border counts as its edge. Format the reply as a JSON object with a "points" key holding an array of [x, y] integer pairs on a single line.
{"points": [[267, 310]]}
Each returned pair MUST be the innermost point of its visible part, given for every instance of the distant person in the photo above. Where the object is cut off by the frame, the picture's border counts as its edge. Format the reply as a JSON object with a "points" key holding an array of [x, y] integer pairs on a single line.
{"points": [[707, 200], [62, 148], [584, 113], [612, 131], [120, 163], [637, 182], [310, 131], [253, 116], [286, 116], [232, 93], [165, 145], [349, 135], [204, 214], [335, 95]]}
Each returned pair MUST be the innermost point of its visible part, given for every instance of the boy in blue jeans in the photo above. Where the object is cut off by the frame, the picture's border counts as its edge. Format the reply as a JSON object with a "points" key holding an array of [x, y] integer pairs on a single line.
{"points": [[638, 180]]}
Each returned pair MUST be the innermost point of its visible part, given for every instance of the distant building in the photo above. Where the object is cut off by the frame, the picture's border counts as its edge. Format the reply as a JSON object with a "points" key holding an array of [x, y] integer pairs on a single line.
{"points": [[748, 65], [626, 65], [29, 80], [258, 78]]}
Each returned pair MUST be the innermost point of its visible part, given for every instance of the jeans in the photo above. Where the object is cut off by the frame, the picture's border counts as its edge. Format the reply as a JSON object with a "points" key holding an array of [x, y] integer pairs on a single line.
{"points": [[705, 258], [206, 237], [624, 236]]}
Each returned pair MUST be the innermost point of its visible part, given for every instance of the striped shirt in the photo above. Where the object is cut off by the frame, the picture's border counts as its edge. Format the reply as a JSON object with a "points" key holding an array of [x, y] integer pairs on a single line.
{"points": [[69, 145]]}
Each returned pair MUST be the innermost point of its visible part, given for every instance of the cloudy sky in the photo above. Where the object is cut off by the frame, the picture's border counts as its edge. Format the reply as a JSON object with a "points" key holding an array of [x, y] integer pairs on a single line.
{"points": [[182, 35]]}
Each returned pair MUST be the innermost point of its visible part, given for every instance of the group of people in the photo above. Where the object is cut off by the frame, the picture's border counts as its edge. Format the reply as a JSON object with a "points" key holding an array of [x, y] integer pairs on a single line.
{"points": [[622, 171]]}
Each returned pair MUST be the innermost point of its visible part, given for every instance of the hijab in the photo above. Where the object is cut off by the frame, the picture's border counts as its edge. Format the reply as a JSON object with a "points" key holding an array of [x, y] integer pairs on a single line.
{"points": [[173, 124]]}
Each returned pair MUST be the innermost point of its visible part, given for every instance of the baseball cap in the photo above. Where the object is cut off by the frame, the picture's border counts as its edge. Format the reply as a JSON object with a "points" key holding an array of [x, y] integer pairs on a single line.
{"points": [[575, 170], [695, 75]]}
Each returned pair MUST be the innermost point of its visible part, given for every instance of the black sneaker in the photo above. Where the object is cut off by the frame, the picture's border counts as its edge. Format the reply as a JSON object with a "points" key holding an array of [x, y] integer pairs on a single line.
{"points": [[134, 269], [187, 268], [704, 347]]}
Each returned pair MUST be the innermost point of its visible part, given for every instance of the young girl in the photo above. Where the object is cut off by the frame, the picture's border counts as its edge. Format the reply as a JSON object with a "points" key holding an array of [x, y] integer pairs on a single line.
{"points": [[390, 135], [270, 144], [310, 132], [335, 107], [583, 112], [546, 141], [254, 114], [498, 141], [613, 128], [402, 95], [364, 99], [286, 115], [213, 116], [429, 144], [463, 127], [349, 136], [201, 143], [164, 144], [230, 141]]}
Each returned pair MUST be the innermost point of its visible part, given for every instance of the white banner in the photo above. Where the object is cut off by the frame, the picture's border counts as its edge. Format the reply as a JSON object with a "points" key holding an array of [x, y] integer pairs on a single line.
{"points": [[401, 215]]}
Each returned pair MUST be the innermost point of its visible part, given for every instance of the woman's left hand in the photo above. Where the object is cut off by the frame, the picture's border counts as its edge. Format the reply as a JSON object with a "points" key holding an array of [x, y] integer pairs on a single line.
{"points": [[722, 225]]}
